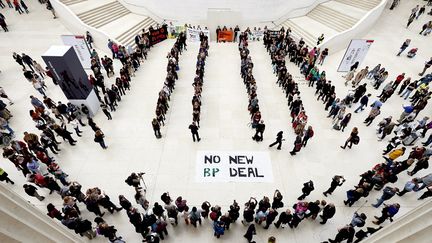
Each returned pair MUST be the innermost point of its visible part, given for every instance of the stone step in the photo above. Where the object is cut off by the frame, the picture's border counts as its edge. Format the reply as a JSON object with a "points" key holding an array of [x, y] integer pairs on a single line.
{"points": [[362, 4], [71, 2]]}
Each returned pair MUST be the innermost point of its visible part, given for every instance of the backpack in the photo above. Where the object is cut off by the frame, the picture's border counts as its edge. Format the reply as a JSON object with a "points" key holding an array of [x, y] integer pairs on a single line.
{"points": [[213, 216]]}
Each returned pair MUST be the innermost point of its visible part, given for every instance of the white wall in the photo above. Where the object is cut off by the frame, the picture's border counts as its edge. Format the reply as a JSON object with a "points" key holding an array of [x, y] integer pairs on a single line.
{"points": [[195, 11]]}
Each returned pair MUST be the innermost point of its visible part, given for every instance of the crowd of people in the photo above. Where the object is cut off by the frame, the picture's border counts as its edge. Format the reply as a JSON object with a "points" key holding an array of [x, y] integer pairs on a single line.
{"points": [[169, 83], [198, 84]]}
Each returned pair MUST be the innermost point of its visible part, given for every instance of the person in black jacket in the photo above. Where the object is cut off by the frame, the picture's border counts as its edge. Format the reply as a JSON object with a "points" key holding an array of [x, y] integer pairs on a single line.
{"points": [[194, 130], [250, 233], [346, 233], [279, 139], [31, 191], [271, 216], [259, 130], [328, 213], [336, 181], [284, 218], [308, 187]]}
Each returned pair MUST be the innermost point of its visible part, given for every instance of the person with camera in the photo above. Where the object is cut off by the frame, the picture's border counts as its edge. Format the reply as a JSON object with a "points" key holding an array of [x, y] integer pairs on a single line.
{"points": [[134, 179], [308, 187], [337, 180]]}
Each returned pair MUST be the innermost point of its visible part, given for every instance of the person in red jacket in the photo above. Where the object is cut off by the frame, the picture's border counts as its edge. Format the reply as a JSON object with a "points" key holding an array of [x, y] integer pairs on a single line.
{"points": [[398, 80]]}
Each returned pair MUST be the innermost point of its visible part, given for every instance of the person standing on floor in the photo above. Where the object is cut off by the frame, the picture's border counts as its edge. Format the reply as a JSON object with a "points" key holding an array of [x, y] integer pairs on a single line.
{"points": [[156, 128], [271, 216], [279, 139], [375, 111], [388, 193], [32, 191], [388, 212], [24, 6], [328, 212], [297, 145], [345, 233], [308, 135], [352, 139], [404, 46], [337, 180], [99, 138], [194, 130], [427, 65], [412, 185], [104, 109], [363, 103], [320, 39], [4, 177], [308, 187], [251, 231], [259, 130], [3, 23]]}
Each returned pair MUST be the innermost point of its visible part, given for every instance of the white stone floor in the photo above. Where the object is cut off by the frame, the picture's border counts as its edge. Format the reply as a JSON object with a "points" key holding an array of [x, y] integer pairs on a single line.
{"points": [[169, 163]]}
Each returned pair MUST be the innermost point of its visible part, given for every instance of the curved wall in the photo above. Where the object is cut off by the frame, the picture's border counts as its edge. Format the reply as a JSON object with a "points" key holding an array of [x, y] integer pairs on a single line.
{"points": [[195, 11]]}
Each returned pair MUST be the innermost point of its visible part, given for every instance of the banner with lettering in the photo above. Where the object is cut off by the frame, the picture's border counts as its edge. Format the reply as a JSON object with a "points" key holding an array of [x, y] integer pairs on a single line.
{"points": [[174, 31], [356, 52], [81, 48], [233, 166], [158, 35], [226, 35], [193, 34]]}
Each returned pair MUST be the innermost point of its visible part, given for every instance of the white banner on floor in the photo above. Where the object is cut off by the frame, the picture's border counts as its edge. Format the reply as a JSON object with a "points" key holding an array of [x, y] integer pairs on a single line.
{"points": [[233, 166], [193, 35], [356, 52], [79, 44]]}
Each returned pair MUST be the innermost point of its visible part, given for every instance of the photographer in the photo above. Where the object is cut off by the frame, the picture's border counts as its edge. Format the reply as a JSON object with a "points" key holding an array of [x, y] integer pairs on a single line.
{"points": [[134, 179], [336, 181]]}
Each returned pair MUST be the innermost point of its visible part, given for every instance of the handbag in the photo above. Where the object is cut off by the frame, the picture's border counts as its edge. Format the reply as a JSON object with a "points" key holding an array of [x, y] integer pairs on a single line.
{"points": [[355, 140]]}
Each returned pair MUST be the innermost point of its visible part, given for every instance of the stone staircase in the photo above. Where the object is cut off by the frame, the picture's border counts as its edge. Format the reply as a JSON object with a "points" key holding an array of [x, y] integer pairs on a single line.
{"points": [[362, 4], [330, 19], [71, 2], [103, 15], [128, 37], [112, 18], [309, 38]]}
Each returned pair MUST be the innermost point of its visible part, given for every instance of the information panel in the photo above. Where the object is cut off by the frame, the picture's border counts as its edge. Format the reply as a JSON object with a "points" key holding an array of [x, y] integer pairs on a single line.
{"points": [[356, 52]]}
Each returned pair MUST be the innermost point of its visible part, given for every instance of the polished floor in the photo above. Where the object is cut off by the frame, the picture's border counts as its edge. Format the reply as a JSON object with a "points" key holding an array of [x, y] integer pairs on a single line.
{"points": [[169, 163]]}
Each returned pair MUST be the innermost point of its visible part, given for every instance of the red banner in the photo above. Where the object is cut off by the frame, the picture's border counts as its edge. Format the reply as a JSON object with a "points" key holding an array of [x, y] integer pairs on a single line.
{"points": [[226, 35]]}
